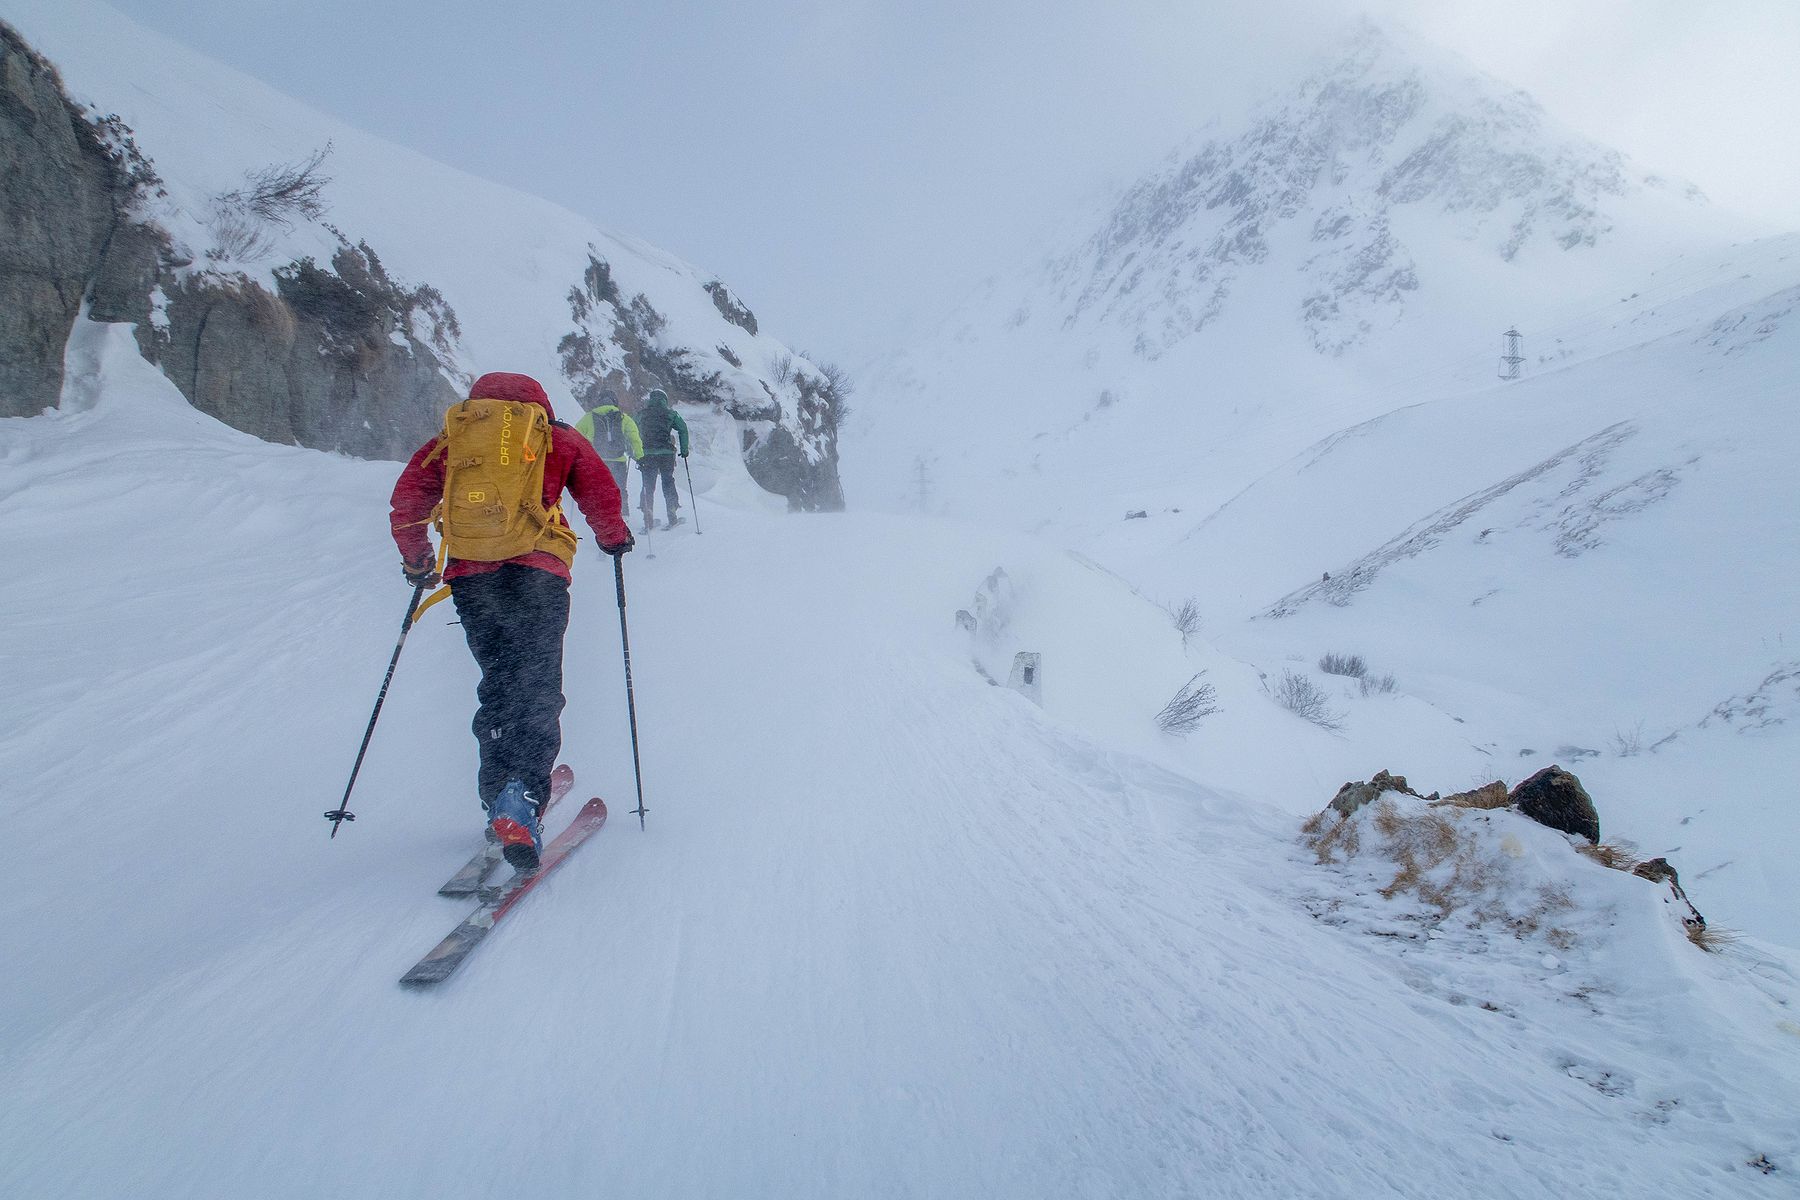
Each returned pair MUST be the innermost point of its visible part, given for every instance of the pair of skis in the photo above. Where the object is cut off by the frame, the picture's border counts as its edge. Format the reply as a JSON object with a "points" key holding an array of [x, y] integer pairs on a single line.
{"points": [[450, 953]]}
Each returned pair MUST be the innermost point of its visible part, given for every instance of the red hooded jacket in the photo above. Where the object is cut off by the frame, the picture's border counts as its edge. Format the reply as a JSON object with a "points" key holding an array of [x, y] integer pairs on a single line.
{"points": [[573, 464]]}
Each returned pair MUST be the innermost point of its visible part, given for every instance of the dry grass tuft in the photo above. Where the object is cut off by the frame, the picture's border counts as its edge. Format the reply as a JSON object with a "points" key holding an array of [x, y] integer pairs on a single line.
{"points": [[1620, 856], [1711, 938], [1328, 833], [1491, 795], [1422, 844]]}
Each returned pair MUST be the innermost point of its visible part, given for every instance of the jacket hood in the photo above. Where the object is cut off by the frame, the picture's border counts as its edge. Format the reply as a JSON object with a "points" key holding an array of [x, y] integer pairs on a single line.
{"points": [[505, 385], [658, 396]]}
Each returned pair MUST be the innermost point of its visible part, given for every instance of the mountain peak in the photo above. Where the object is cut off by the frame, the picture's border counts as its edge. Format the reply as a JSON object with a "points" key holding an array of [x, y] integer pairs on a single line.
{"points": [[1388, 143]]}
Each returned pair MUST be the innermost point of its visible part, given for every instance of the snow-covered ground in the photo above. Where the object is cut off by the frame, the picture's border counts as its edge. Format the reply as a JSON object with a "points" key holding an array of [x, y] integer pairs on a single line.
{"points": [[892, 930]]}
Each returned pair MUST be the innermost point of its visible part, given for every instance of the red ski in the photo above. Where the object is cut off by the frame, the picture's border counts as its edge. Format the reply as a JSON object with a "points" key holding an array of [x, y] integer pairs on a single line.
{"points": [[449, 954]]}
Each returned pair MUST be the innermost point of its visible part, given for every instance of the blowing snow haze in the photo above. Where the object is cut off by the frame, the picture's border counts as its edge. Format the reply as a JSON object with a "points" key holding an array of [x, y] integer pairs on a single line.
{"points": [[1272, 682]]}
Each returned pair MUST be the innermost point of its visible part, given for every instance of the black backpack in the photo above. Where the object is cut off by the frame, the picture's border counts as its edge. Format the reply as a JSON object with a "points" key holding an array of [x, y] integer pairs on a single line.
{"points": [[609, 434]]}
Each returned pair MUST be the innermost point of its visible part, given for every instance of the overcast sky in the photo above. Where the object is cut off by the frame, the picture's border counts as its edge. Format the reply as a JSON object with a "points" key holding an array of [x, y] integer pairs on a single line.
{"points": [[839, 162]]}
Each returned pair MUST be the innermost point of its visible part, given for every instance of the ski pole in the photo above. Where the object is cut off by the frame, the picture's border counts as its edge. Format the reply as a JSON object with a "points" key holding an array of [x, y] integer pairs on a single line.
{"points": [[342, 813], [691, 505], [630, 697]]}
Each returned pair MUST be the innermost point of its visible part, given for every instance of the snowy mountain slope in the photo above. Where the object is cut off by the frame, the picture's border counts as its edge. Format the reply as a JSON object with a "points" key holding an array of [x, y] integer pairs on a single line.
{"points": [[507, 262], [1575, 565], [1393, 212], [903, 935]]}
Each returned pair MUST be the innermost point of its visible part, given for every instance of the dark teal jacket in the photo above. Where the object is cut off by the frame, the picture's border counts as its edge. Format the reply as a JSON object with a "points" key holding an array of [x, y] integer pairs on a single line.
{"points": [[658, 423]]}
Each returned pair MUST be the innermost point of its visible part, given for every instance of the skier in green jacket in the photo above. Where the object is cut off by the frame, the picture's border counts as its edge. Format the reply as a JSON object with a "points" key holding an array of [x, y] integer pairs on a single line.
{"points": [[659, 423], [615, 435]]}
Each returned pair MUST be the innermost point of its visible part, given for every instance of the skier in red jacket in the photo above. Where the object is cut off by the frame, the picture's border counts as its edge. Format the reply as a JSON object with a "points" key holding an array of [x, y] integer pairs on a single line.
{"points": [[514, 614]]}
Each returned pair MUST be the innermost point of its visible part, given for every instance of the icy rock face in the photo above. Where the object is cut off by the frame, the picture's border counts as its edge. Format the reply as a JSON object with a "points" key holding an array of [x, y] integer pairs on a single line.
{"points": [[1327, 176], [343, 358], [339, 358], [787, 407], [65, 194], [1555, 797]]}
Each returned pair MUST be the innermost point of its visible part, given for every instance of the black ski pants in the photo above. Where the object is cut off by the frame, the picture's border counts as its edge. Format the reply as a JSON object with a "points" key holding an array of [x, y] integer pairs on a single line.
{"points": [[653, 467], [515, 618], [617, 467]]}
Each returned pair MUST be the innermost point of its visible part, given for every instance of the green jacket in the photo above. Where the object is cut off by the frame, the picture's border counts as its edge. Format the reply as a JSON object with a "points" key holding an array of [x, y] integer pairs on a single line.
{"points": [[634, 445], [657, 422]]}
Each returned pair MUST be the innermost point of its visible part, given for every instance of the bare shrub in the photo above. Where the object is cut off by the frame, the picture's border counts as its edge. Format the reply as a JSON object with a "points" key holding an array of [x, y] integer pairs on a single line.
{"points": [[238, 238], [1188, 707], [835, 393], [781, 369], [1628, 743], [1350, 665], [244, 221], [1376, 685], [281, 192], [1302, 697], [1186, 619]]}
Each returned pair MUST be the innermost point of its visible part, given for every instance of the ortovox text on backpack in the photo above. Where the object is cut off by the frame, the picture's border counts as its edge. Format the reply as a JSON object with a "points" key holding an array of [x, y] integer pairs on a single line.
{"points": [[493, 509]]}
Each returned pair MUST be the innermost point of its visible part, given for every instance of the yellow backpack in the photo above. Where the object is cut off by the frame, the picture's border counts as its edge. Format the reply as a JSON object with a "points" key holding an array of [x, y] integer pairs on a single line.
{"points": [[493, 509]]}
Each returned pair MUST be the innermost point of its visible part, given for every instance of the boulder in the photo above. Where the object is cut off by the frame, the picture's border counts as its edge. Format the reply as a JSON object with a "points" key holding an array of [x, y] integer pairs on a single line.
{"points": [[1353, 796], [1555, 797]]}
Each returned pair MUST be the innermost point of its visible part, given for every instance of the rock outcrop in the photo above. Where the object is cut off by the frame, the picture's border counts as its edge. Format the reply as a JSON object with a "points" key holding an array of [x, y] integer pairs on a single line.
{"points": [[1355, 795], [1660, 870], [336, 358], [66, 233], [789, 409], [1554, 797]]}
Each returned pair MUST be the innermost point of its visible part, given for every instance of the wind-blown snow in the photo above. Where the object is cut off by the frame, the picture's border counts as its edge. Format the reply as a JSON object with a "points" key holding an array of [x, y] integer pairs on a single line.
{"points": [[891, 931]]}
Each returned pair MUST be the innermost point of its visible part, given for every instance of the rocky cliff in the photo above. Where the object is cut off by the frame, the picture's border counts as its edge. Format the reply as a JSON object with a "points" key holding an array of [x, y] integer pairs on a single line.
{"points": [[337, 357], [286, 298]]}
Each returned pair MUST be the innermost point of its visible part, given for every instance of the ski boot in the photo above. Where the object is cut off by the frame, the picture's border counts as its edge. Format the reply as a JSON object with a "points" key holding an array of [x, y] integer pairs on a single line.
{"points": [[674, 520], [513, 820]]}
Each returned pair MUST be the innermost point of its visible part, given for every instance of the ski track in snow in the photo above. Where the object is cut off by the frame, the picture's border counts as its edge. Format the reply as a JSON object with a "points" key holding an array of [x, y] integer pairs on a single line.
{"points": [[891, 931]]}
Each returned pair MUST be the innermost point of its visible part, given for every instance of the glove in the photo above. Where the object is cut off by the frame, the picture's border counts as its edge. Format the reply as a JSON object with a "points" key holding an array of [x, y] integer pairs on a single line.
{"points": [[623, 548], [420, 574], [684, 454]]}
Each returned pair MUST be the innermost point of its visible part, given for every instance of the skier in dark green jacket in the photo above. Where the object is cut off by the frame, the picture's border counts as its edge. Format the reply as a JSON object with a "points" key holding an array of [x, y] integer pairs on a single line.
{"points": [[658, 424]]}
